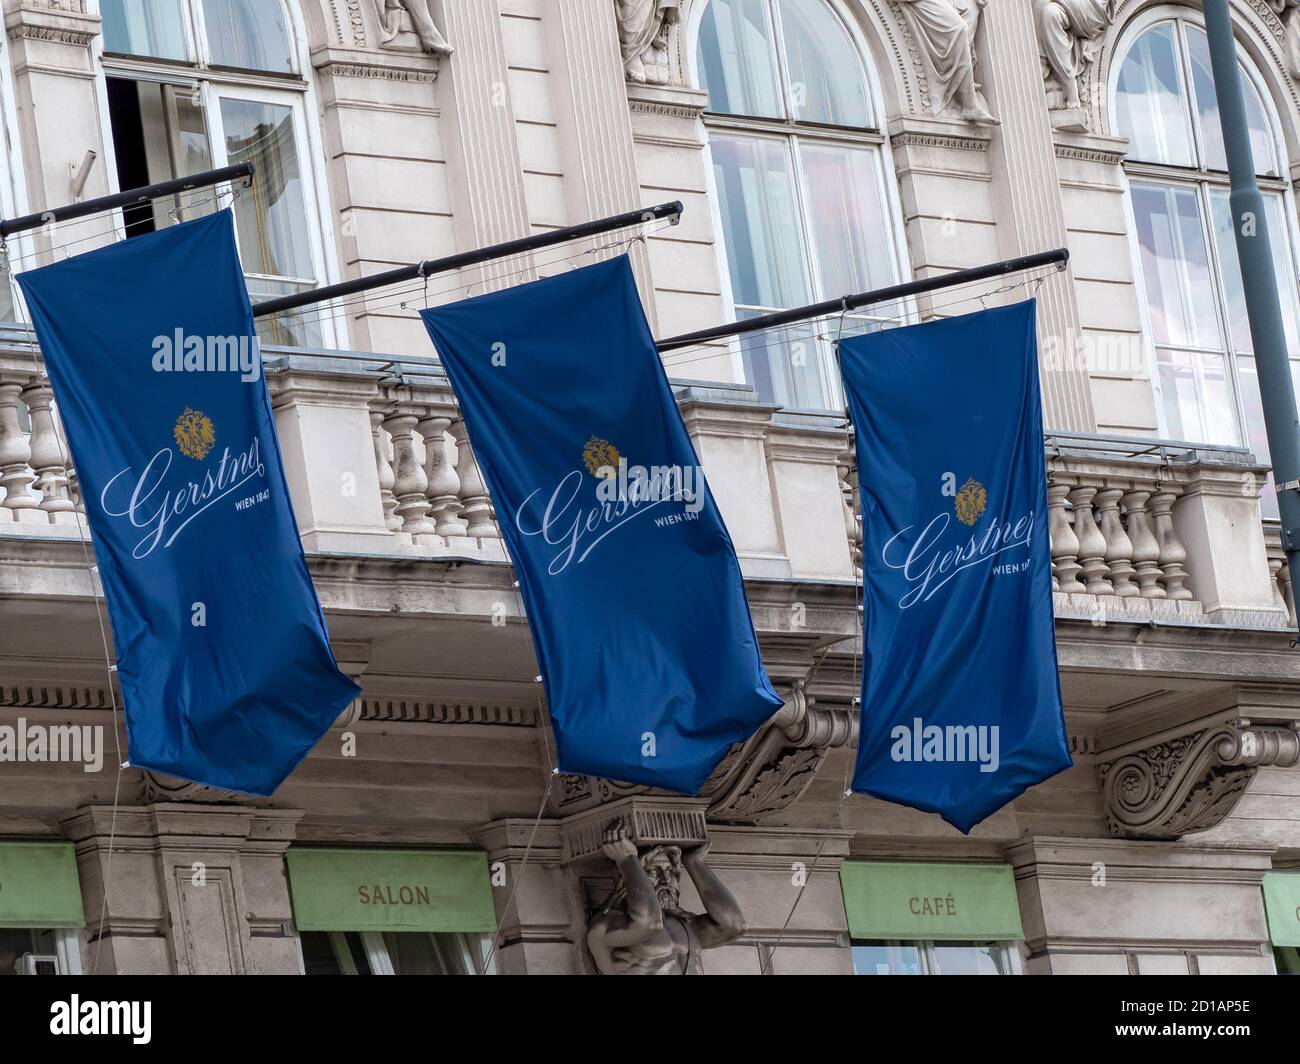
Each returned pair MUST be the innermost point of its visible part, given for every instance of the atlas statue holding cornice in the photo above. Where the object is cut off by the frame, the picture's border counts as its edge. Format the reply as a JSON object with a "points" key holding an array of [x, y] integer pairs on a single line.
{"points": [[642, 929]]}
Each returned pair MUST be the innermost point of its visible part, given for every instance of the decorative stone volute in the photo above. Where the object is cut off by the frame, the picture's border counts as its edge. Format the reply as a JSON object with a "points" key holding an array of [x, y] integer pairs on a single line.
{"points": [[1191, 782]]}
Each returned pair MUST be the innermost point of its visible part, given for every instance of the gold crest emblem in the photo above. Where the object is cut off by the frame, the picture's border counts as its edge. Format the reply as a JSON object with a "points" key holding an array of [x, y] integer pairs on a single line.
{"points": [[194, 434], [970, 502], [599, 454]]}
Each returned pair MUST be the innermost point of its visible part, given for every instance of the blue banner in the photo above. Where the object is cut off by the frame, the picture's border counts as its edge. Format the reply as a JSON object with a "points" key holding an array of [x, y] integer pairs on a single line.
{"points": [[628, 575], [961, 701], [226, 671]]}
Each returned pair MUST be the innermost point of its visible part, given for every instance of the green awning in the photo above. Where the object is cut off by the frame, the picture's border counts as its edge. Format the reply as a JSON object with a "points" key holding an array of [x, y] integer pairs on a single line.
{"points": [[1282, 903], [897, 900], [390, 890], [39, 887]]}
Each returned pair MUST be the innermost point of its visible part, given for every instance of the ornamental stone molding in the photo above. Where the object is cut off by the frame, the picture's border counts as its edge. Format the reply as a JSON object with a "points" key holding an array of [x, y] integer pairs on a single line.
{"points": [[1191, 782], [56, 21], [756, 779], [156, 787]]}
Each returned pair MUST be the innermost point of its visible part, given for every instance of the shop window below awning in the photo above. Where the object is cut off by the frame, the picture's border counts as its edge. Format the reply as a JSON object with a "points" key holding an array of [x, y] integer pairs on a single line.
{"points": [[915, 918], [40, 909], [1282, 905], [392, 912]]}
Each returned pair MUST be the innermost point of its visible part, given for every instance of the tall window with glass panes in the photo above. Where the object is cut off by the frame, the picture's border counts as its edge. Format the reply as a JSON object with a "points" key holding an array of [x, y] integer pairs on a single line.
{"points": [[192, 85], [804, 208], [1195, 308]]}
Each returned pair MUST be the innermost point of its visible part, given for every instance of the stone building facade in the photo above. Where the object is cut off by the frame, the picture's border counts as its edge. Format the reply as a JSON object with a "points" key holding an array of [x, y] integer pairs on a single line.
{"points": [[818, 147]]}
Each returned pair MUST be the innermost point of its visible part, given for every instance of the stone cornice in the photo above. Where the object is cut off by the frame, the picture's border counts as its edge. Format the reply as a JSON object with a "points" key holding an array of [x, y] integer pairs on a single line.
{"points": [[919, 131], [52, 24], [956, 142], [1090, 153], [376, 65]]}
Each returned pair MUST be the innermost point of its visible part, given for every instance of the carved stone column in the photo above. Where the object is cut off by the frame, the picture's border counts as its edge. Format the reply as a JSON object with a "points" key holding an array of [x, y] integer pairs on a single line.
{"points": [[192, 889], [1028, 199], [594, 125], [477, 109]]}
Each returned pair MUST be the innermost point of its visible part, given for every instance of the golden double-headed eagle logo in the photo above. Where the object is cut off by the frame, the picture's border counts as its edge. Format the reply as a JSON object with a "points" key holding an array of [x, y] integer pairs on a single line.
{"points": [[970, 501], [599, 454], [194, 434]]}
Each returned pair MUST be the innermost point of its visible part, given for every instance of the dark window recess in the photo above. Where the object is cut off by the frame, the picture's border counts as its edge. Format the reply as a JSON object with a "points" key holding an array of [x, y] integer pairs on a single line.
{"points": [[128, 144]]}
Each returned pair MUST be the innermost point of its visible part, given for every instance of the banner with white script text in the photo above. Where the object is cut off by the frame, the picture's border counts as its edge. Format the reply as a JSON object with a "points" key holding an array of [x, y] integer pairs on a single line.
{"points": [[961, 701], [630, 580], [225, 665]]}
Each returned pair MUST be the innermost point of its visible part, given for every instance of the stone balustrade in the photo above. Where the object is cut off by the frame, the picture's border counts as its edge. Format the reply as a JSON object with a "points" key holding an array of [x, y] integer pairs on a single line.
{"points": [[379, 463], [37, 480], [1163, 533]]}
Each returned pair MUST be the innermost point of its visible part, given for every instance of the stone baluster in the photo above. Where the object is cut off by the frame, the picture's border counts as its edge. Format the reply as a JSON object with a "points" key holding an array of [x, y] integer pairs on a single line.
{"points": [[1288, 591], [48, 454], [844, 465], [74, 490], [1092, 544], [1172, 552], [385, 469], [1276, 562], [477, 510], [1065, 544], [409, 481], [1146, 551], [440, 471], [19, 504], [1119, 548]]}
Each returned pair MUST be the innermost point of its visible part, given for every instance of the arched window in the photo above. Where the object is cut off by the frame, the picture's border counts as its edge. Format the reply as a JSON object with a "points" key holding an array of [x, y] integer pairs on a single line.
{"points": [[1165, 105], [194, 85], [800, 180]]}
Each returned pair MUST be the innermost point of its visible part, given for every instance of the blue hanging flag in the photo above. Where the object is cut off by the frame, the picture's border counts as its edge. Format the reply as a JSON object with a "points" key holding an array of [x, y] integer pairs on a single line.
{"points": [[961, 700], [222, 652], [629, 577]]}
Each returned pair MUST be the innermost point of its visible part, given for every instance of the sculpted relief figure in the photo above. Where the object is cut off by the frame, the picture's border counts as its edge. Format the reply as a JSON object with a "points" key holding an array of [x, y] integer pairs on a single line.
{"points": [[643, 36], [642, 930], [390, 21], [1069, 37], [945, 33]]}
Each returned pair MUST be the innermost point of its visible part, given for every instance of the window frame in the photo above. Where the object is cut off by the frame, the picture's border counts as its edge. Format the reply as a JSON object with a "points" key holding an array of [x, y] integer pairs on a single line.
{"points": [[1203, 182], [793, 134], [194, 28], [381, 962], [1009, 950], [13, 188], [67, 948], [295, 90]]}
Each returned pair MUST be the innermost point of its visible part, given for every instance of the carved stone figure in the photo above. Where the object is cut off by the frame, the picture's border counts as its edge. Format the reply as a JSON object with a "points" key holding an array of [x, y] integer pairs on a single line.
{"points": [[643, 27], [642, 929], [390, 23], [1069, 37], [945, 34]]}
